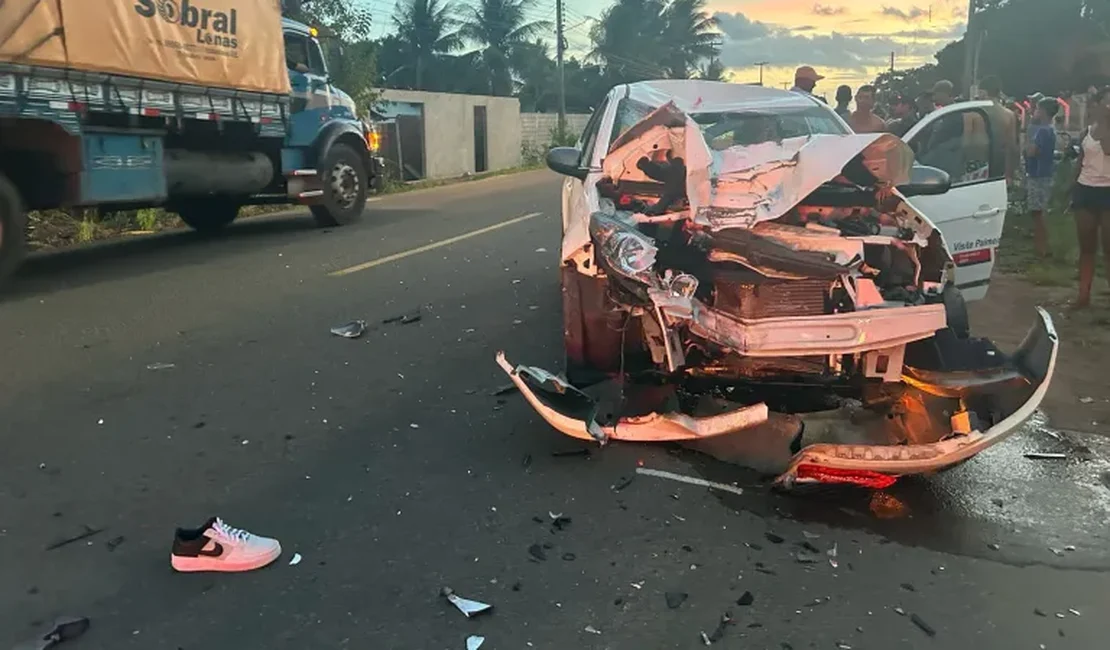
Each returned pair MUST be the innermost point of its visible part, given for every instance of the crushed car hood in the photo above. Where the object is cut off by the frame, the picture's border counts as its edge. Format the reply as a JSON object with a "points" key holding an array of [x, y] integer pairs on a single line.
{"points": [[741, 186]]}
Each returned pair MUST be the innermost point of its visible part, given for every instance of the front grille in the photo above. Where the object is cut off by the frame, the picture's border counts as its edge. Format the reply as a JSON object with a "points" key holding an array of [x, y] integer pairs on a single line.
{"points": [[768, 298]]}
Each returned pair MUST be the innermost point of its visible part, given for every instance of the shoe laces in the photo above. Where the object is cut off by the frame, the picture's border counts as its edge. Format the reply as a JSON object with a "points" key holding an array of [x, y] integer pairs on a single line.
{"points": [[230, 532]]}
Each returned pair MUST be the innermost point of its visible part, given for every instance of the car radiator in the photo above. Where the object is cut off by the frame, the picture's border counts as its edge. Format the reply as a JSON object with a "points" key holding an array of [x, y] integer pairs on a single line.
{"points": [[739, 295]]}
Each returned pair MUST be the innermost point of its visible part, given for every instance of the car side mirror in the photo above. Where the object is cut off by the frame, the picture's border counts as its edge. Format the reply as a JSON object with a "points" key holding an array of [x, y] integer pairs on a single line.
{"points": [[564, 160], [926, 181]]}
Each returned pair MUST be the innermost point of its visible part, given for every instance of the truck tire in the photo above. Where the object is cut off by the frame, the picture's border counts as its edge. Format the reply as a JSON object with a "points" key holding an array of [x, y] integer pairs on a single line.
{"points": [[343, 176], [209, 215], [13, 229]]}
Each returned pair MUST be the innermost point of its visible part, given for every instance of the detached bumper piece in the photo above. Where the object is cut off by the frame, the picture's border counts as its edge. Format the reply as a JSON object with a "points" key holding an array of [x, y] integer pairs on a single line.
{"points": [[1014, 390], [573, 413]]}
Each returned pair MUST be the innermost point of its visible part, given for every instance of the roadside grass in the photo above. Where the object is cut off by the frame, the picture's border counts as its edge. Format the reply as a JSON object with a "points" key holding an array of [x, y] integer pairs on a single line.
{"points": [[58, 229]]}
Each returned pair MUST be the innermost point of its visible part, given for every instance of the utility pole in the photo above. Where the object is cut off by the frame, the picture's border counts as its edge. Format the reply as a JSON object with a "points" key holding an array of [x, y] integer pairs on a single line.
{"points": [[761, 64], [892, 61], [972, 39], [560, 48]]}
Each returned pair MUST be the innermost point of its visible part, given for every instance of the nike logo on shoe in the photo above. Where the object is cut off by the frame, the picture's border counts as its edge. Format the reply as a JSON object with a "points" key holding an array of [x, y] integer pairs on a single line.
{"points": [[212, 549]]}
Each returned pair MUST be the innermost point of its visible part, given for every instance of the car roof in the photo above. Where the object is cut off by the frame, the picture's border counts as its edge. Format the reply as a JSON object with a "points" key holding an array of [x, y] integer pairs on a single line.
{"points": [[697, 96]]}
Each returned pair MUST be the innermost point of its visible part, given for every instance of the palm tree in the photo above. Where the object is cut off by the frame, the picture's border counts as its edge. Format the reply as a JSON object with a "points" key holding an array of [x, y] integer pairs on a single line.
{"points": [[690, 35], [426, 30], [500, 28], [628, 40]]}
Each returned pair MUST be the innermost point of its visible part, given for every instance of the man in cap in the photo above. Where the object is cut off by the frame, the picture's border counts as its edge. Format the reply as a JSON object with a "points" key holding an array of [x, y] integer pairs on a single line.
{"points": [[805, 80], [905, 115]]}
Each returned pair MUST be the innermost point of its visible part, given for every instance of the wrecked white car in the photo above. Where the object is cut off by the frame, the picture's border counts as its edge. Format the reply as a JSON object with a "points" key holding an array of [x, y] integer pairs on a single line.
{"points": [[736, 262]]}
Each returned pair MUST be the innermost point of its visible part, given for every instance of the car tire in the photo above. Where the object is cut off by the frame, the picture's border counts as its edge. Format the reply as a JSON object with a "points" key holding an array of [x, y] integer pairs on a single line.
{"points": [[208, 215], [344, 179], [13, 229], [955, 310]]}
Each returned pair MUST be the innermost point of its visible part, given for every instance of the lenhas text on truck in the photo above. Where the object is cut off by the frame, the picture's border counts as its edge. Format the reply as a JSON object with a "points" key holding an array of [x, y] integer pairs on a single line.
{"points": [[213, 27]]}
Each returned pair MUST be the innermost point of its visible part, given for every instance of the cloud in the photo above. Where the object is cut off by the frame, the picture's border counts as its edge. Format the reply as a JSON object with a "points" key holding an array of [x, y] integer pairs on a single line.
{"points": [[743, 39], [913, 13], [803, 28], [829, 10]]}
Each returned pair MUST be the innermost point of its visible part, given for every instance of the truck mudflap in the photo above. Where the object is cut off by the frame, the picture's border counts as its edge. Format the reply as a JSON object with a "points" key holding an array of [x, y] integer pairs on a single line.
{"points": [[937, 425]]}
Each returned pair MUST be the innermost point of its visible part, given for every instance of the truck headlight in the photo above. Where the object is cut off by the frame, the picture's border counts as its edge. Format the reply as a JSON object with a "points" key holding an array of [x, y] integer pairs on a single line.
{"points": [[623, 248]]}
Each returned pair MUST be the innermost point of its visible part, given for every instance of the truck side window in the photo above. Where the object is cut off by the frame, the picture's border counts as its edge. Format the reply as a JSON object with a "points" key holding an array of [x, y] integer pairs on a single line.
{"points": [[316, 58], [296, 52]]}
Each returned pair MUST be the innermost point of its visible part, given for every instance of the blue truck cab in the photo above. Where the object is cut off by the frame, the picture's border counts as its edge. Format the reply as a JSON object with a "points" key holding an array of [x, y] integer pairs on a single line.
{"points": [[71, 138]]}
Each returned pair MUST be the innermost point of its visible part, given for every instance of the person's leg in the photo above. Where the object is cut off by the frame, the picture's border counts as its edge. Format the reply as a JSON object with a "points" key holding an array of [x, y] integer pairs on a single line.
{"points": [[1086, 223], [1037, 194], [1104, 227]]}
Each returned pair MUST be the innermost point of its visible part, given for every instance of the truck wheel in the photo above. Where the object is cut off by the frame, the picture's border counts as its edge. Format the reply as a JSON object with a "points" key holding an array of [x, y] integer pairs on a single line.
{"points": [[207, 215], [13, 229], [343, 175]]}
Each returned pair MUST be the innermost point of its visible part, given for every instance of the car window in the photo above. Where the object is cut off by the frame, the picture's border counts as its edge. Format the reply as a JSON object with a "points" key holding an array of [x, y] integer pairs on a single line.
{"points": [[961, 144], [723, 130], [589, 135], [629, 113]]}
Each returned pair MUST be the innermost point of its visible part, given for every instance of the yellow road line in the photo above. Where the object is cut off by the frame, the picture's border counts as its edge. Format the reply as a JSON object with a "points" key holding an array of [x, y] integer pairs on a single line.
{"points": [[429, 247]]}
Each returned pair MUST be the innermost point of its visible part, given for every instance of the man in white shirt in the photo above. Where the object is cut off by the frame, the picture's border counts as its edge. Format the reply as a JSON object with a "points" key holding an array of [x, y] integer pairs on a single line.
{"points": [[805, 80]]}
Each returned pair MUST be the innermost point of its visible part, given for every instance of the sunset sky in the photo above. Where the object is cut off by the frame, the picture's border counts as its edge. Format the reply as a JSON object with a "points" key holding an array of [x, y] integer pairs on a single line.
{"points": [[848, 41]]}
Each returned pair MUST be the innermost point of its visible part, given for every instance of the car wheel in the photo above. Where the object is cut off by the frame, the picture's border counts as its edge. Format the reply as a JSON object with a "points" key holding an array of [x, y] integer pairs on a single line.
{"points": [[343, 175], [13, 229], [955, 310]]}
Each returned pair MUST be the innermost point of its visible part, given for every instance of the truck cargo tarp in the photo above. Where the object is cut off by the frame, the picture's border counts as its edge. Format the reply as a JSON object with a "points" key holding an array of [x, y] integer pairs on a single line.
{"points": [[235, 44]]}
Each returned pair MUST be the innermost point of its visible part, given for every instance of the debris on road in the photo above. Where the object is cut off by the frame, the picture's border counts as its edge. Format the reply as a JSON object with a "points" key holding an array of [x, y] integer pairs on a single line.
{"points": [[537, 552], [1044, 455], [899, 611], [908, 586], [160, 366], [474, 642], [746, 599], [405, 319], [675, 599], [1086, 400], [469, 608], [809, 535], [1039, 612], [89, 532], [592, 630], [1074, 612], [501, 391], [719, 632], [887, 506], [774, 539], [351, 330], [993, 547], [622, 483], [832, 552], [295, 560], [65, 629], [570, 453], [924, 627], [541, 249], [569, 557], [114, 542], [806, 558], [690, 480]]}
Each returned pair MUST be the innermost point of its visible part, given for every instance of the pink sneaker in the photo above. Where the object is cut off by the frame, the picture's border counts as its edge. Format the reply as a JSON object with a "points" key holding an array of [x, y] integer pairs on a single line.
{"points": [[216, 546]]}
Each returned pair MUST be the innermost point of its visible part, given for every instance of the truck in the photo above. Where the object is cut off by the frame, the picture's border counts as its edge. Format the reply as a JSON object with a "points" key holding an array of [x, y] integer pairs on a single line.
{"points": [[198, 106]]}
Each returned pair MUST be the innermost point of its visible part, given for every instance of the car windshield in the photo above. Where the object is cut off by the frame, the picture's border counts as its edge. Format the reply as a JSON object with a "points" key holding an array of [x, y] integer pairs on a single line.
{"points": [[744, 128]]}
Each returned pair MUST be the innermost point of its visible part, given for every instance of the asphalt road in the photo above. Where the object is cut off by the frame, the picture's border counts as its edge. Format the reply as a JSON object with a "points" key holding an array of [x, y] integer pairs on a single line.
{"points": [[387, 465]]}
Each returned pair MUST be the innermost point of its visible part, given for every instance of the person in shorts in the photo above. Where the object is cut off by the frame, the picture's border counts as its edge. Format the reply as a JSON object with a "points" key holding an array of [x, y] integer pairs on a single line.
{"points": [[1040, 168], [1091, 194]]}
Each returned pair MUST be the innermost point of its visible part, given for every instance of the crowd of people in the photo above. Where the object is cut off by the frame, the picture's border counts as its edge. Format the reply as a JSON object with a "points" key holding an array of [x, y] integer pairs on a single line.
{"points": [[1035, 143]]}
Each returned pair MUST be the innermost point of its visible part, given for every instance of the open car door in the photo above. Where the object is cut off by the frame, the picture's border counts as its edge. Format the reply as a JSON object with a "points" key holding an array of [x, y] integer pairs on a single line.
{"points": [[960, 140]]}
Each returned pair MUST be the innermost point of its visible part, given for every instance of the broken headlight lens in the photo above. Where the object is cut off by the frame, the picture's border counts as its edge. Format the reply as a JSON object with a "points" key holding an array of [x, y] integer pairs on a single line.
{"points": [[624, 249]]}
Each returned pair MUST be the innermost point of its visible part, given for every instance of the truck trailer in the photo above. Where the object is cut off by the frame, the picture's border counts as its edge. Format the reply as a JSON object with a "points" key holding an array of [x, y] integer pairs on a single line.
{"points": [[200, 106]]}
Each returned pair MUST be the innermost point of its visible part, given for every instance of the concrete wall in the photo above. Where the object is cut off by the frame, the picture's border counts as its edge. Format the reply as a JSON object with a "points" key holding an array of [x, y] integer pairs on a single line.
{"points": [[536, 128], [449, 130]]}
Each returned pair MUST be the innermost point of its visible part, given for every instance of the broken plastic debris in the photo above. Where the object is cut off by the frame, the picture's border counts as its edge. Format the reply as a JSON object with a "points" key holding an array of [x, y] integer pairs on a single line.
{"points": [[1074, 612], [745, 600], [414, 426], [65, 629], [468, 607], [705, 639], [832, 556], [160, 366], [474, 642], [689, 480], [809, 535], [719, 633], [773, 538], [899, 611], [1086, 400], [592, 630], [351, 330], [295, 560], [541, 249], [1044, 455], [675, 599]]}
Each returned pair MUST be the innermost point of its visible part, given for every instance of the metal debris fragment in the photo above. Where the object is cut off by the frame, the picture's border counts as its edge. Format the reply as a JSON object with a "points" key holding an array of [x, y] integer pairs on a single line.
{"points": [[65, 629], [675, 599], [474, 642], [468, 607], [592, 630], [689, 480], [295, 560], [622, 483], [746, 599], [925, 627], [161, 366], [1044, 455], [351, 330]]}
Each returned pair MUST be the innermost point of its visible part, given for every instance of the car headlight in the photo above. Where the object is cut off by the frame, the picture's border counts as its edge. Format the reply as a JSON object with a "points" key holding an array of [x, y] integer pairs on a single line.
{"points": [[624, 249]]}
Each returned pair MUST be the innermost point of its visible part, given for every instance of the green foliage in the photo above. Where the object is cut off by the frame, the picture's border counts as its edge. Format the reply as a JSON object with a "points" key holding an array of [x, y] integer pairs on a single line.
{"points": [[650, 39]]}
